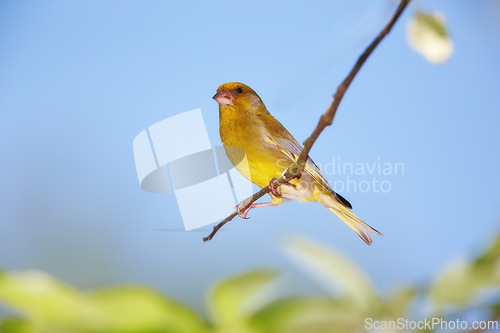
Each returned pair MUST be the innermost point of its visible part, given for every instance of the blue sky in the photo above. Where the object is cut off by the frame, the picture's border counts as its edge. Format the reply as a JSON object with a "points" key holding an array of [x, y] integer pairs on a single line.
{"points": [[79, 80]]}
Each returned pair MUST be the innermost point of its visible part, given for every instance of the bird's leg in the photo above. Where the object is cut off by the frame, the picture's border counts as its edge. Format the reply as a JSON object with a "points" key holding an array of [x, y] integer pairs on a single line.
{"points": [[277, 200], [243, 213], [276, 196]]}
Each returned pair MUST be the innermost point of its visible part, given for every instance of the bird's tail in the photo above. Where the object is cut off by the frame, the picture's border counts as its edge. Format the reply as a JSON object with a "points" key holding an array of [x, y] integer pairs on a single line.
{"points": [[361, 228]]}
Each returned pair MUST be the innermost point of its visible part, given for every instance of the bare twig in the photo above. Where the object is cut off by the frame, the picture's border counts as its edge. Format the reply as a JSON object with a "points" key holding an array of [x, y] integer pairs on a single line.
{"points": [[250, 200], [295, 170], [327, 118]]}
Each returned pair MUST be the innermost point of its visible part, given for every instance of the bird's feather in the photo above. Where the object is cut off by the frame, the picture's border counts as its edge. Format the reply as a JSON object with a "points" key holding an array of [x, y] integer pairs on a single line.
{"points": [[287, 144]]}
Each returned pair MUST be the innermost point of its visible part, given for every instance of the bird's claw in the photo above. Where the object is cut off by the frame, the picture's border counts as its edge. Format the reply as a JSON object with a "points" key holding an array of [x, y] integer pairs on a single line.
{"points": [[275, 189], [242, 213]]}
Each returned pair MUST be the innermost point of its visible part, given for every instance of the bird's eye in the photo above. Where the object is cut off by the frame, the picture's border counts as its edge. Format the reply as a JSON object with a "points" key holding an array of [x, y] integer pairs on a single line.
{"points": [[239, 90]]}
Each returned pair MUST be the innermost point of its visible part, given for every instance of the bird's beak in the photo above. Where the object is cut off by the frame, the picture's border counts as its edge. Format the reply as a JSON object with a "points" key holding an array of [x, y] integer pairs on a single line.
{"points": [[223, 97]]}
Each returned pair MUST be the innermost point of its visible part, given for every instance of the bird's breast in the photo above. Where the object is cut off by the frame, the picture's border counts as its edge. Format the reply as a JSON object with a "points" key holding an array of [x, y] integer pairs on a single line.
{"points": [[261, 161]]}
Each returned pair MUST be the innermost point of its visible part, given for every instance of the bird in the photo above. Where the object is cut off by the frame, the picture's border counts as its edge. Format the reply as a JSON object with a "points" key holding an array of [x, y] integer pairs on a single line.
{"points": [[262, 149]]}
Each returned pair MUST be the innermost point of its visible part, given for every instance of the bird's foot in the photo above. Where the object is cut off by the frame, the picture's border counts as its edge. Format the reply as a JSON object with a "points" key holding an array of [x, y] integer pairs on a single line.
{"points": [[275, 189], [242, 213]]}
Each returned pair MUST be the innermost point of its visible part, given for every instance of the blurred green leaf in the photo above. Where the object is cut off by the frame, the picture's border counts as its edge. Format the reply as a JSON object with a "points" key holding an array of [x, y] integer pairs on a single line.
{"points": [[427, 34], [491, 257], [495, 309], [460, 282], [457, 284], [41, 297], [51, 306], [238, 297], [134, 309], [17, 325], [397, 304], [335, 272], [308, 314]]}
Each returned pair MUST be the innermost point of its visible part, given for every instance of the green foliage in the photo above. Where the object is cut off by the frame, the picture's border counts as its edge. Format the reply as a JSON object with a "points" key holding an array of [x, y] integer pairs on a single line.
{"points": [[460, 282], [398, 303], [48, 305], [335, 272], [244, 304], [234, 300], [308, 314], [427, 34]]}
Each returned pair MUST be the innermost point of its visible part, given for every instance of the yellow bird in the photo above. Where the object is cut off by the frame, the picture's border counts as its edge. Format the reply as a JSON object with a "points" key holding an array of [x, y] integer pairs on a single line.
{"points": [[248, 131]]}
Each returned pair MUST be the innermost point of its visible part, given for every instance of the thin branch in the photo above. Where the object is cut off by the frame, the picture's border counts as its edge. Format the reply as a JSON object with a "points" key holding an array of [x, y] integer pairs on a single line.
{"points": [[295, 170], [327, 118], [250, 200]]}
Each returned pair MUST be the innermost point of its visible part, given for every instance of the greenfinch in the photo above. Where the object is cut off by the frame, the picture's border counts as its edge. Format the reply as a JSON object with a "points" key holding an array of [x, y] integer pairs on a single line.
{"points": [[247, 128]]}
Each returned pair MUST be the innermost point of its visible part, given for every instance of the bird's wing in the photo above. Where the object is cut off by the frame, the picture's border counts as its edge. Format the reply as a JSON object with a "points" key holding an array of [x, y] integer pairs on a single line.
{"points": [[278, 135]]}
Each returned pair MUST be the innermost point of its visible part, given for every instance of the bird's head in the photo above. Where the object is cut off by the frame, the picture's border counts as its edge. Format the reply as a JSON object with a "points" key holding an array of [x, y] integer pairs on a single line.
{"points": [[238, 96]]}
